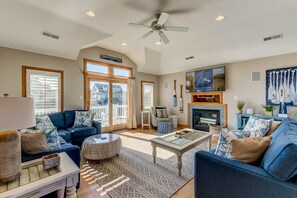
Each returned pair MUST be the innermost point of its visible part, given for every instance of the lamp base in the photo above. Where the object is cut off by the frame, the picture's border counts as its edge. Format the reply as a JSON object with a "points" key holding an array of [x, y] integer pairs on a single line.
{"points": [[10, 155], [10, 178]]}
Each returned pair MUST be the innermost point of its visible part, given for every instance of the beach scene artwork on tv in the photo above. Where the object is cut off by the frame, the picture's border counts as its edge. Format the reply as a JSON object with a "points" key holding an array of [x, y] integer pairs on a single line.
{"points": [[206, 80]]}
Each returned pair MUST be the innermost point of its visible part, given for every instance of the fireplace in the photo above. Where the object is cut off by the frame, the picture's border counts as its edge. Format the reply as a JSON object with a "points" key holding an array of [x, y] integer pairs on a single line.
{"points": [[202, 117]]}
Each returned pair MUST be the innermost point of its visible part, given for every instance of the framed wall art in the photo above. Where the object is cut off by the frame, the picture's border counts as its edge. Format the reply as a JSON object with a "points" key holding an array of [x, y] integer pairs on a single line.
{"points": [[281, 86]]}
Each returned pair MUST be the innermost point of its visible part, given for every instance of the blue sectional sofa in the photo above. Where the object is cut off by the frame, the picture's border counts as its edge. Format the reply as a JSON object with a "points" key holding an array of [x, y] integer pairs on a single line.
{"points": [[70, 138], [64, 123], [275, 177]]}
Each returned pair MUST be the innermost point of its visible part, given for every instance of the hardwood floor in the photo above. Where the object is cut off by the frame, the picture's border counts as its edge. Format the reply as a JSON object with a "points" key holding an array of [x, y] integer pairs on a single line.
{"points": [[89, 188], [187, 191]]}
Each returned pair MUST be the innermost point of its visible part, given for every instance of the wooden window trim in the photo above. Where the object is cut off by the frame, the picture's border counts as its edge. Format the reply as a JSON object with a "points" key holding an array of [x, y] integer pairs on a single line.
{"points": [[142, 82], [103, 77], [110, 69], [24, 80]]}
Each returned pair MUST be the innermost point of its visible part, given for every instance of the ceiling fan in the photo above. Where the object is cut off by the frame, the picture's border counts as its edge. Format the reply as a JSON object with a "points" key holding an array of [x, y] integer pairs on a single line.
{"points": [[159, 26]]}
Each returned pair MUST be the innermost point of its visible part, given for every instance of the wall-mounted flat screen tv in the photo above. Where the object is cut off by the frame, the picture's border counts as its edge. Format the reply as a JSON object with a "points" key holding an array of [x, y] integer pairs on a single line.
{"points": [[206, 80]]}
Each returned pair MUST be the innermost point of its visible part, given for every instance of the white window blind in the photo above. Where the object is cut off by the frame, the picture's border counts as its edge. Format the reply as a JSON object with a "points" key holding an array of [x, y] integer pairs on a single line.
{"points": [[45, 89], [148, 96]]}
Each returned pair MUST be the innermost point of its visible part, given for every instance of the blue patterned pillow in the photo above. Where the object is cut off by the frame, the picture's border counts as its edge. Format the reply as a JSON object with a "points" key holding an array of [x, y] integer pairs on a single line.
{"points": [[52, 137], [250, 134], [258, 124], [223, 147], [44, 124], [82, 119]]}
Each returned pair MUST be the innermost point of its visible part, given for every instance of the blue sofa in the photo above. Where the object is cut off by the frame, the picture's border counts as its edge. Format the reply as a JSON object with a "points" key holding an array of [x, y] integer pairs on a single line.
{"points": [[64, 123], [70, 138], [216, 176]]}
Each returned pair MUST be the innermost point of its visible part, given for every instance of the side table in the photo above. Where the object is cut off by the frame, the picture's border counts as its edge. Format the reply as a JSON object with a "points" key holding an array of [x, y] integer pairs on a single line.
{"points": [[36, 182], [148, 124], [174, 119]]}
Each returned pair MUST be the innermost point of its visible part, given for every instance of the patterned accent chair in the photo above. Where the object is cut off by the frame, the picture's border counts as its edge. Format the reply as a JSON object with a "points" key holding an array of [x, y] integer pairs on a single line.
{"points": [[155, 119]]}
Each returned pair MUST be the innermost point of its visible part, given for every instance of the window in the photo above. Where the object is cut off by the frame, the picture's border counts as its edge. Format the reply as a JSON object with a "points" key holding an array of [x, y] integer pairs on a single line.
{"points": [[106, 93], [106, 70], [121, 72], [45, 86], [147, 95], [97, 68]]}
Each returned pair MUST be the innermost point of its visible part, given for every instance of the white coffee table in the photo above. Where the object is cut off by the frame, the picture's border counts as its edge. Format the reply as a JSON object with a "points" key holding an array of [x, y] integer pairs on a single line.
{"points": [[36, 182], [181, 145], [101, 146]]}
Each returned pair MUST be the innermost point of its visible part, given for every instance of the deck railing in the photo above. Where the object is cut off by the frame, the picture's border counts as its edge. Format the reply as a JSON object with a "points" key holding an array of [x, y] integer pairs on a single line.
{"points": [[119, 115]]}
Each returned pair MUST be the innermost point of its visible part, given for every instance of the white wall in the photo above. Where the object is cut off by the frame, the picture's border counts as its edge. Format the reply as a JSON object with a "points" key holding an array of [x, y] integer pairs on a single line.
{"points": [[166, 95], [11, 62], [238, 83]]}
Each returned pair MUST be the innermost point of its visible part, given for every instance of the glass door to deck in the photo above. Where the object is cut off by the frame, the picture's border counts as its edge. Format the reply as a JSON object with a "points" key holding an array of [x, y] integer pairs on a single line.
{"points": [[108, 101]]}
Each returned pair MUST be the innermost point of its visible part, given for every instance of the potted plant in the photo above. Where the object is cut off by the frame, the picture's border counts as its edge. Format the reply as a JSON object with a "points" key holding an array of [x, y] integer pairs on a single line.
{"points": [[269, 109], [240, 105]]}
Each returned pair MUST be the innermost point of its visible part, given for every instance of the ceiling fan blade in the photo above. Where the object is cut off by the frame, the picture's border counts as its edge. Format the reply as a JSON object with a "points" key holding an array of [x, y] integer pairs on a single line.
{"points": [[146, 35], [163, 17], [180, 11], [176, 29], [163, 37], [138, 25]]}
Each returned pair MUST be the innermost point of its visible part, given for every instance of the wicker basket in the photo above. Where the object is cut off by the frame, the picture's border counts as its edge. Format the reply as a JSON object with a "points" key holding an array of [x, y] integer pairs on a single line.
{"points": [[10, 155]]}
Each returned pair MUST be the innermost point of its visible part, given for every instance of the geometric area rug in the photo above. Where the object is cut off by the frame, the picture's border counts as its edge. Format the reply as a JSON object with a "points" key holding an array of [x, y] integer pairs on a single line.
{"points": [[133, 174]]}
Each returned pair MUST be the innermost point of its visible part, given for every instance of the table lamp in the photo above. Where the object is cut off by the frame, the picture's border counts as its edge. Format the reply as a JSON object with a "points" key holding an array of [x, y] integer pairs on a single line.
{"points": [[15, 113]]}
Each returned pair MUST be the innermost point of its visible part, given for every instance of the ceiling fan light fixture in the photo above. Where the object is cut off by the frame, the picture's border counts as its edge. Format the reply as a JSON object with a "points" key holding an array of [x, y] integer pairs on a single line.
{"points": [[220, 18], [158, 43], [90, 13]]}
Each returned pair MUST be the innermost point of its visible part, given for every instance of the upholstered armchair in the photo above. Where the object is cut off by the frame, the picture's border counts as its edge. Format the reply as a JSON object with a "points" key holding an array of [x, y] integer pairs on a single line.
{"points": [[155, 118]]}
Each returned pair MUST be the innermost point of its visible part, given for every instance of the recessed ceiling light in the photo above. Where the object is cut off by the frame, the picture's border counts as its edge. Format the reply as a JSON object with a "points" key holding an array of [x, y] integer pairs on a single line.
{"points": [[90, 13], [220, 18], [124, 44], [158, 43]]}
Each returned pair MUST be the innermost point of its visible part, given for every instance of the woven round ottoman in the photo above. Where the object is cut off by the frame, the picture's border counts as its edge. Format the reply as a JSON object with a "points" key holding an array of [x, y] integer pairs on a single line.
{"points": [[101, 146]]}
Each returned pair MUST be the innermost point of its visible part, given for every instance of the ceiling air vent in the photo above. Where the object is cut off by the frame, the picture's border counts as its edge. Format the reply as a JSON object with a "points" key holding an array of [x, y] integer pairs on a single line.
{"points": [[50, 35], [273, 37], [189, 57]]}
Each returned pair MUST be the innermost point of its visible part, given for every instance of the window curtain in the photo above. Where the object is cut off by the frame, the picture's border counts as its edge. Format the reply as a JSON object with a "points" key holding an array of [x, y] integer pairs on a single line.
{"points": [[131, 104]]}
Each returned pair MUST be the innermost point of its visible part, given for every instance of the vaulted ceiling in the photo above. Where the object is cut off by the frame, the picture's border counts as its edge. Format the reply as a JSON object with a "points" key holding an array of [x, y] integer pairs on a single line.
{"points": [[238, 37]]}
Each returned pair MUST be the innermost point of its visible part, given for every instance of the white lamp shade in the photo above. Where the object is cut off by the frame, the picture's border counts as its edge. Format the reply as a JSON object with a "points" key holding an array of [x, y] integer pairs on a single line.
{"points": [[16, 113]]}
